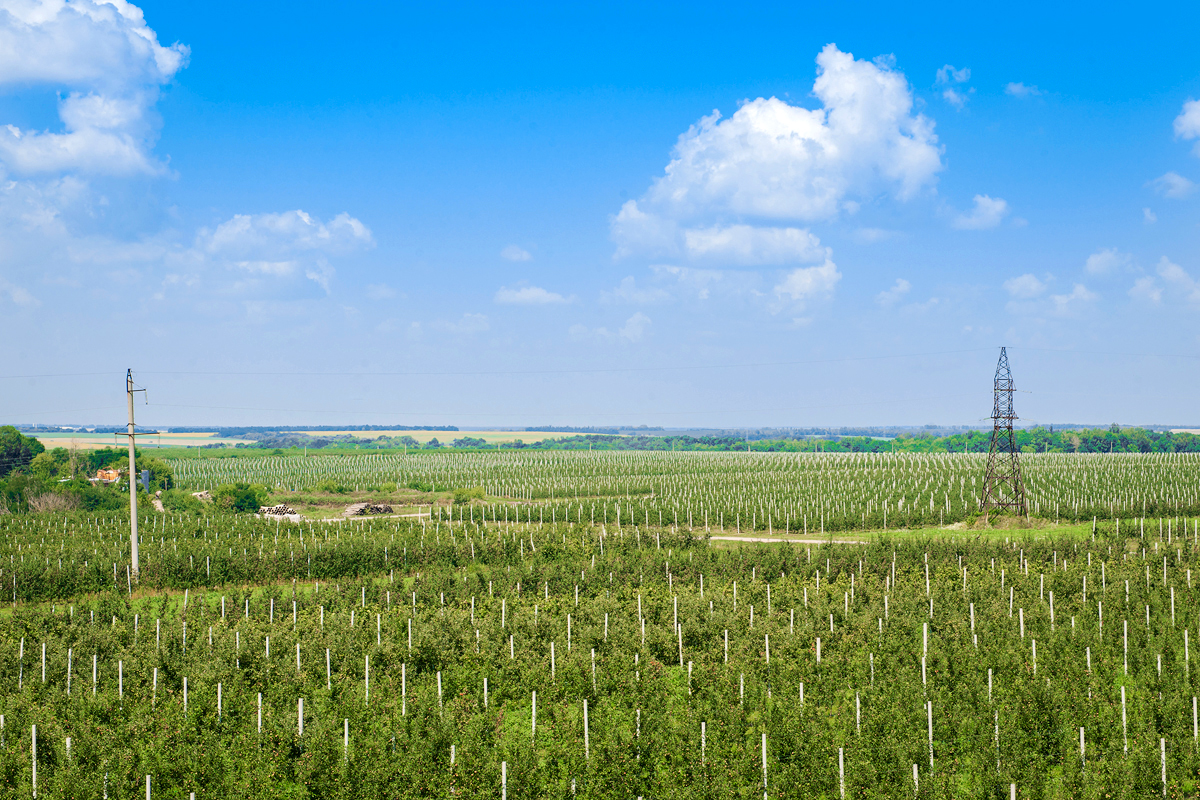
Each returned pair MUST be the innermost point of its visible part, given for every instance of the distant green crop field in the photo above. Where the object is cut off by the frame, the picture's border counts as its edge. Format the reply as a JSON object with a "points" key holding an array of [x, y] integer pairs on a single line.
{"points": [[799, 492]]}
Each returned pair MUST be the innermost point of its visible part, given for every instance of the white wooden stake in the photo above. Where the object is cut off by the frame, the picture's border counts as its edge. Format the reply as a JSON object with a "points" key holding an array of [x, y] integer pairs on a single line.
{"points": [[586, 741], [346, 739], [33, 732], [841, 768], [533, 718]]}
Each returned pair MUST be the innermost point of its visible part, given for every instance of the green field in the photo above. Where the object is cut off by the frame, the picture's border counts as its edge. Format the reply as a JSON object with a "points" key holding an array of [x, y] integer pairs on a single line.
{"points": [[710, 665]]}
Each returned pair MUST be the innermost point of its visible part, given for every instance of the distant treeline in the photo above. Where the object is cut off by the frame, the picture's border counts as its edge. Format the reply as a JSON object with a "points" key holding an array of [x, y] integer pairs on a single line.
{"points": [[1034, 440]]}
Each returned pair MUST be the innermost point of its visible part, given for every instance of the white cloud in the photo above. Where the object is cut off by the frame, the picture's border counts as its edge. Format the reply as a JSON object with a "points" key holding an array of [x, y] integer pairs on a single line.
{"points": [[806, 283], [250, 236], [634, 328], [1146, 288], [1021, 90], [746, 245], [467, 324], [380, 291], [515, 253], [987, 213], [529, 295], [779, 161], [283, 244], [17, 295], [628, 291], [1173, 185], [1187, 124], [1149, 217], [1178, 277], [1107, 259], [955, 98], [893, 295], [1068, 304], [948, 74], [106, 66], [1024, 287]]}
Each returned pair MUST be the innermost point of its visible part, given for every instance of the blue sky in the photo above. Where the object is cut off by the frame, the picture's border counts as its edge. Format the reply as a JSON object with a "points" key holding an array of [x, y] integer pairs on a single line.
{"points": [[676, 215]]}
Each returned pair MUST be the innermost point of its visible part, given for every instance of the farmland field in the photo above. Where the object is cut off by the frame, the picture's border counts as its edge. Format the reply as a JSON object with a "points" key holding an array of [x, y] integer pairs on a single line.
{"points": [[516, 646]]}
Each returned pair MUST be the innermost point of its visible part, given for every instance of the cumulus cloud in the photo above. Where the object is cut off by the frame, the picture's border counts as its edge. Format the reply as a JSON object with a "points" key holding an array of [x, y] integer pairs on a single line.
{"points": [[1173, 185], [1024, 287], [1068, 304], [283, 244], [1179, 278], [1021, 90], [987, 213], [1149, 217], [529, 296], [106, 66], [776, 161], [257, 236], [746, 245], [891, 296], [1146, 288], [1107, 259], [1187, 124], [806, 283], [634, 328], [515, 253]]}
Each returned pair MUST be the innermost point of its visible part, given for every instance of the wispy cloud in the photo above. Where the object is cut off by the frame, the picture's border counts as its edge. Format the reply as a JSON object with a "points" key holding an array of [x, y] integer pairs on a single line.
{"points": [[1021, 90], [529, 296], [895, 294], [515, 253], [1173, 185], [987, 213]]}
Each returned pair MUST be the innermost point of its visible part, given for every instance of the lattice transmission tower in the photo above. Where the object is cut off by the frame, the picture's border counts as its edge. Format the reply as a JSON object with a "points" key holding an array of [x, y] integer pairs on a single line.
{"points": [[1002, 488]]}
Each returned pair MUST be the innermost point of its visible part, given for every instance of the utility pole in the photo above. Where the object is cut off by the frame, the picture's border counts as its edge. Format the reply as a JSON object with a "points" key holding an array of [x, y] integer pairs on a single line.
{"points": [[1002, 487], [133, 519]]}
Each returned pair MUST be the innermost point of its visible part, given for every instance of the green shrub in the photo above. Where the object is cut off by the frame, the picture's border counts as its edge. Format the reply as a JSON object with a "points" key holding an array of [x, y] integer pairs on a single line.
{"points": [[467, 495], [241, 497], [332, 487]]}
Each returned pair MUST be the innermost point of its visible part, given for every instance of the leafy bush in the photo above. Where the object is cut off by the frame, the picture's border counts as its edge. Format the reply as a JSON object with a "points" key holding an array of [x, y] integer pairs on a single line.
{"points": [[420, 486], [467, 495], [241, 497], [181, 502], [332, 487]]}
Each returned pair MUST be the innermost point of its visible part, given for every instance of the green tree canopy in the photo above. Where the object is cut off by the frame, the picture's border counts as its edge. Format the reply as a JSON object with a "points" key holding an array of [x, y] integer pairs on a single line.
{"points": [[16, 451]]}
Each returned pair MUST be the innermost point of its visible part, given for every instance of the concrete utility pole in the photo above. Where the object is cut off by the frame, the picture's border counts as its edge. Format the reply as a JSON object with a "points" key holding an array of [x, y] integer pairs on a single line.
{"points": [[133, 519]]}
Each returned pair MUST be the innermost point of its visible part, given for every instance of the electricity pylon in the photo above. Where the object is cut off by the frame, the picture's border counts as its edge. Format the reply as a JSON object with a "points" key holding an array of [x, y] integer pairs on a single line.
{"points": [[1002, 488]]}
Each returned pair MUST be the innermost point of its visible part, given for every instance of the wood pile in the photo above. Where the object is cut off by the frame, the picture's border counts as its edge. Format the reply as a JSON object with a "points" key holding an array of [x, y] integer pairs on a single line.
{"points": [[276, 511], [364, 509]]}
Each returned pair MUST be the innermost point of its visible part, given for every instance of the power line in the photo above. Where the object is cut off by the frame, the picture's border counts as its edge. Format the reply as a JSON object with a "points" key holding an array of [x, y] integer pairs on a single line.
{"points": [[580, 371]]}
